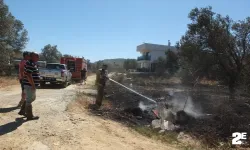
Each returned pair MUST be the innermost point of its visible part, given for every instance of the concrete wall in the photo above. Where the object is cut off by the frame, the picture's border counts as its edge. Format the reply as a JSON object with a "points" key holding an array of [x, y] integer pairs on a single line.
{"points": [[156, 54], [144, 64]]}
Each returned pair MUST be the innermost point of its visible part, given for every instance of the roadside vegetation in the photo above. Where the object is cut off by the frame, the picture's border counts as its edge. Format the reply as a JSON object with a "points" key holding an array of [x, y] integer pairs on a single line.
{"points": [[8, 81]]}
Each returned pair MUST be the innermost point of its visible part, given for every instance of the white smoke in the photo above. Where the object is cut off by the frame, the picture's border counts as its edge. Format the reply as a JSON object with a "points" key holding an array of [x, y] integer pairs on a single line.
{"points": [[175, 105], [146, 107], [142, 106], [171, 93], [191, 109], [131, 85], [187, 105]]}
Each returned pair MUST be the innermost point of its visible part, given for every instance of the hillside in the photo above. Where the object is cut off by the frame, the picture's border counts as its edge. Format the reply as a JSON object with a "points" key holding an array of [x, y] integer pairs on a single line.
{"points": [[117, 61]]}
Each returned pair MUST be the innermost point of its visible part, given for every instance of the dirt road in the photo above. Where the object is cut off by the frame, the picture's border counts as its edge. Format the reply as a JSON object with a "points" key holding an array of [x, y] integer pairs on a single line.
{"points": [[61, 129]]}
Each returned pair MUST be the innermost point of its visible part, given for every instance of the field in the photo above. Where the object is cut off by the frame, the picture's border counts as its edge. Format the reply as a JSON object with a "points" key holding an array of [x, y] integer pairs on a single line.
{"points": [[213, 116]]}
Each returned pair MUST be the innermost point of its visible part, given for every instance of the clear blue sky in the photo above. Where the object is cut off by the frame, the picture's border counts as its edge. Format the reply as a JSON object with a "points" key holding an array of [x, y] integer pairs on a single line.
{"points": [[101, 29]]}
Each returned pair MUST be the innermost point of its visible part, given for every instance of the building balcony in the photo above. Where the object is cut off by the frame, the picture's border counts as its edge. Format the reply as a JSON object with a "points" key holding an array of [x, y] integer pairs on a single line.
{"points": [[143, 58]]}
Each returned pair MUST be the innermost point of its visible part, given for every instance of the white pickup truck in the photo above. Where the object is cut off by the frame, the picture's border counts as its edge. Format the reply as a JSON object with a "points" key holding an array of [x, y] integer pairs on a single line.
{"points": [[55, 73]]}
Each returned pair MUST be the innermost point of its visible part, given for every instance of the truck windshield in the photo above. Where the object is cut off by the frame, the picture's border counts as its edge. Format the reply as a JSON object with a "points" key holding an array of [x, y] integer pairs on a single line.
{"points": [[55, 66], [41, 64]]}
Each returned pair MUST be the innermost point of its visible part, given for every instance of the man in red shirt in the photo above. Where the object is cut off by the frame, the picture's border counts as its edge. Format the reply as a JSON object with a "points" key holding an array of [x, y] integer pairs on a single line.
{"points": [[21, 75]]}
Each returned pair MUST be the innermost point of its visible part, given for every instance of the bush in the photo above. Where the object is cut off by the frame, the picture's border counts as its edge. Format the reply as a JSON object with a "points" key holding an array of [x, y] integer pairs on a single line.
{"points": [[8, 70], [185, 76]]}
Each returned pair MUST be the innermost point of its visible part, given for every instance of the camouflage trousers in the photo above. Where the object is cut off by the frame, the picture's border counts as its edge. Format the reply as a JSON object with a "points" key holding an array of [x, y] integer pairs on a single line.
{"points": [[100, 94]]}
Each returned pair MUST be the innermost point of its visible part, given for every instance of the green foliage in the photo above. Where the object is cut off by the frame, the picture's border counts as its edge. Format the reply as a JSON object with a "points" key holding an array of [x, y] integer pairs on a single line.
{"points": [[195, 63], [51, 54], [160, 66], [99, 64], [172, 64], [88, 64], [13, 36], [93, 67], [130, 64], [216, 42]]}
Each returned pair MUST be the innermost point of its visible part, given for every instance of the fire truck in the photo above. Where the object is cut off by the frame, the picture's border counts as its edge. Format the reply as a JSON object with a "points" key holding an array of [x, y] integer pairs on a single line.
{"points": [[75, 65]]}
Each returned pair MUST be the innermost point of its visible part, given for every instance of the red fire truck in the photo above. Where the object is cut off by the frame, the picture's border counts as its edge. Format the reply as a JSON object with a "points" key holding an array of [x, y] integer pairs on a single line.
{"points": [[75, 65]]}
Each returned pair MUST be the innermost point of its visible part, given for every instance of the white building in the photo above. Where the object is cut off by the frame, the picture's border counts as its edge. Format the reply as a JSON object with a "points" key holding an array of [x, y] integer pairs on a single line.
{"points": [[150, 53]]}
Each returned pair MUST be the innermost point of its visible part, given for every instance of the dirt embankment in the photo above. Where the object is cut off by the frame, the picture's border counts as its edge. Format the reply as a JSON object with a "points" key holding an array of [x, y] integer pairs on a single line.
{"points": [[64, 124]]}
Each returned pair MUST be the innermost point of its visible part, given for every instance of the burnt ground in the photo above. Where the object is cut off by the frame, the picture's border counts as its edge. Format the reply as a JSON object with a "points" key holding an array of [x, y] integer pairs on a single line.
{"points": [[226, 116]]}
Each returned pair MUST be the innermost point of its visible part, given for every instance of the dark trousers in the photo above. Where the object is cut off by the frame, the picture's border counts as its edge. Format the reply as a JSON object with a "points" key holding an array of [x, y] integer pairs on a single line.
{"points": [[100, 94]]}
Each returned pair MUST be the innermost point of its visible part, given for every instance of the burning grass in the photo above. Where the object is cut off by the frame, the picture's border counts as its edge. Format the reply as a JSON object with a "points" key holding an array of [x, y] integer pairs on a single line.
{"points": [[8, 81], [214, 131]]}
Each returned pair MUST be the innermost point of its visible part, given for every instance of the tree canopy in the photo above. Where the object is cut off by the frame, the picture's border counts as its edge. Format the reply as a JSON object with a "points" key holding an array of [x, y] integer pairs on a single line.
{"points": [[12, 32], [226, 42], [67, 55], [51, 54], [13, 35], [172, 64], [130, 64]]}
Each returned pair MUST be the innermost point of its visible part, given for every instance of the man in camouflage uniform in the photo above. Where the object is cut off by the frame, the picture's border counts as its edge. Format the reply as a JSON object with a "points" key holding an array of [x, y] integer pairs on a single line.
{"points": [[83, 75], [101, 79]]}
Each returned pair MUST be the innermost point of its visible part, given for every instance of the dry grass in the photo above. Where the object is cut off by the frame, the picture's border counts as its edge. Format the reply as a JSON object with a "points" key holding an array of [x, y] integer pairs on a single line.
{"points": [[84, 100], [8, 81], [80, 103], [174, 80], [204, 81], [90, 74]]}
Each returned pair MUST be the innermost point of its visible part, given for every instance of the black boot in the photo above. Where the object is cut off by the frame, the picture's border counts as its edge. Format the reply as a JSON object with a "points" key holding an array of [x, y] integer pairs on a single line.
{"points": [[29, 114], [22, 110]]}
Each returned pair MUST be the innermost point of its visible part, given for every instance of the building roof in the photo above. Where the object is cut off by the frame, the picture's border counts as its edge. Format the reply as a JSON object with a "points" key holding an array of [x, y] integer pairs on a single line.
{"points": [[154, 47]]}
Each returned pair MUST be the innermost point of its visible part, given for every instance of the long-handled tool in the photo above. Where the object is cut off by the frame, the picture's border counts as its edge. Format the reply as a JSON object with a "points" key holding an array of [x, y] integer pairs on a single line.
{"points": [[133, 91]]}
